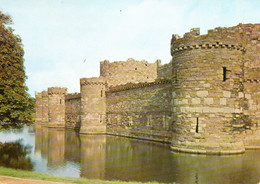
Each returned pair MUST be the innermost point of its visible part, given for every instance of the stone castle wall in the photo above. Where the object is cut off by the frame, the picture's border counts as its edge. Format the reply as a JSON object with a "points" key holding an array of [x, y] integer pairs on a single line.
{"points": [[38, 107], [45, 108], [56, 106], [206, 100], [72, 110], [251, 96], [93, 105], [121, 72], [208, 85], [140, 110], [164, 71]]}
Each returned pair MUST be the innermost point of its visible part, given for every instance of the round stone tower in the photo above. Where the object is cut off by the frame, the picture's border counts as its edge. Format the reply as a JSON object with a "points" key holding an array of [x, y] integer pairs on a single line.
{"points": [[45, 110], [209, 105], [56, 106], [93, 105], [38, 107]]}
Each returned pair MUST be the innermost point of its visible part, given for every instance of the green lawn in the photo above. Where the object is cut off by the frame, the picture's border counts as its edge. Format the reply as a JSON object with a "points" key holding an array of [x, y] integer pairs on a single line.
{"points": [[34, 175]]}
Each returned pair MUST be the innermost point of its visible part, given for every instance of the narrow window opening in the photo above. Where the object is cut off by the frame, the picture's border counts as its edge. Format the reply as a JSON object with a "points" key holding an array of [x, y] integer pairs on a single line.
{"points": [[197, 125], [101, 93], [100, 118], [135, 68], [224, 74], [60, 101]]}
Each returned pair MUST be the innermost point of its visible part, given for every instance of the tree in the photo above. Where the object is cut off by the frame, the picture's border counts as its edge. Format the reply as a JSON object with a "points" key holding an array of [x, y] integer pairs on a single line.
{"points": [[16, 105]]}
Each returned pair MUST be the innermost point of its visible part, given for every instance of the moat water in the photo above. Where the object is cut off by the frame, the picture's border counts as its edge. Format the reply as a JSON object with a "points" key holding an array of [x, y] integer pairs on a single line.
{"points": [[66, 153]]}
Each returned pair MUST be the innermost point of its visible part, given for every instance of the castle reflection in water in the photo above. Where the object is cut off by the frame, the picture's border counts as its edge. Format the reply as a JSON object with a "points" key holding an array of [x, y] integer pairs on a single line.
{"points": [[102, 156], [116, 158]]}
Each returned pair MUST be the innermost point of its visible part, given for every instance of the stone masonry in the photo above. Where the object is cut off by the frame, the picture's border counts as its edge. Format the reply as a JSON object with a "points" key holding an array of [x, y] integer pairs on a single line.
{"points": [[206, 100]]}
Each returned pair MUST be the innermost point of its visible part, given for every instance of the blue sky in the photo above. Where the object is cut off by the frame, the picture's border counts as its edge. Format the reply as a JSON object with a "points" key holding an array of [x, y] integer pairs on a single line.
{"points": [[58, 35]]}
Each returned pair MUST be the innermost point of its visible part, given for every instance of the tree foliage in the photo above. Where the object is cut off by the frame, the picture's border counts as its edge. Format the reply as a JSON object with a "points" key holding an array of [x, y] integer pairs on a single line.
{"points": [[16, 105]]}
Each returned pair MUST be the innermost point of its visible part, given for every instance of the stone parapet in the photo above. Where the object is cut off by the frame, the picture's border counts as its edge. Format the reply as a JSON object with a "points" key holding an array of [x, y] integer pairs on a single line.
{"points": [[130, 86], [130, 71], [72, 96], [57, 90], [92, 81], [44, 93]]}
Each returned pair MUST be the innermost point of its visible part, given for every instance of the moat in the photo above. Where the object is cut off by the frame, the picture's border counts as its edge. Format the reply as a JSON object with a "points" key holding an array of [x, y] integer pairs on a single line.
{"points": [[67, 153]]}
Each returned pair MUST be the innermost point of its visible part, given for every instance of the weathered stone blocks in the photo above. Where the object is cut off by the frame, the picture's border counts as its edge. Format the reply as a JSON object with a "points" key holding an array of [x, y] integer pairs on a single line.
{"points": [[93, 105], [56, 106]]}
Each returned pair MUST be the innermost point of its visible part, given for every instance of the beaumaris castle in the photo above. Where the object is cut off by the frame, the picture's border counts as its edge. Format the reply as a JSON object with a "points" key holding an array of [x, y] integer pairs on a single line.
{"points": [[206, 100]]}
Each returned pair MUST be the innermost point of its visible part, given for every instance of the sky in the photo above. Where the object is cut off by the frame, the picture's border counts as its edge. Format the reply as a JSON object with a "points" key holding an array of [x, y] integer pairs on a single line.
{"points": [[64, 40]]}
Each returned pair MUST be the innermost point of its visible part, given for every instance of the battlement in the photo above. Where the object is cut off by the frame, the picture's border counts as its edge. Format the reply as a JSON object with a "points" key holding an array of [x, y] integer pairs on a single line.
{"points": [[57, 90], [207, 46], [122, 72], [72, 96], [232, 38], [44, 93], [38, 94], [129, 86], [92, 81], [129, 60]]}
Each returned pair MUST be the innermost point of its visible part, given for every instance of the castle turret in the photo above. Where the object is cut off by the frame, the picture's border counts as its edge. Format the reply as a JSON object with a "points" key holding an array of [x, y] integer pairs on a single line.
{"points": [[208, 100], [93, 107], [45, 110], [38, 107], [56, 106]]}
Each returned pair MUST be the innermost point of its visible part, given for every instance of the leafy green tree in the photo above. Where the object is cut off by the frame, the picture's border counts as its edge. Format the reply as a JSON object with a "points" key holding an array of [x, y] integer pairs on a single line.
{"points": [[16, 105]]}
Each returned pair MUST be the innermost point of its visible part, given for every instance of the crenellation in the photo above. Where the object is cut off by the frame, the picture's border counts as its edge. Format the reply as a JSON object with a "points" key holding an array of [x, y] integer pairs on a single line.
{"points": [[70, 96], [57, 90], [92, 81], [130, 71], [206, 100]]}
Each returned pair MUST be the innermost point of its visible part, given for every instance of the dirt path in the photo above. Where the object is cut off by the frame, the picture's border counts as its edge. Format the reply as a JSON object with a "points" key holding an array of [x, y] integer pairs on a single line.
{"points": [[14, 180]]}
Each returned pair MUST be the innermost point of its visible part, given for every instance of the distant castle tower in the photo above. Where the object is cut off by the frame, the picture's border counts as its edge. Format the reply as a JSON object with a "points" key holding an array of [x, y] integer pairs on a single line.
{"points": [[38, 107], [93, 105], [56, 105], [45, 109]]}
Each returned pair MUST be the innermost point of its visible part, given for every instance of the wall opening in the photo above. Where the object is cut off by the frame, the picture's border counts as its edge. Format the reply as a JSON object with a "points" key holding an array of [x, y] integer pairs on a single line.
{"points": [[101, 93], [135, 68], [100, 119], [197, 125], [224, 74], [60, 101]]}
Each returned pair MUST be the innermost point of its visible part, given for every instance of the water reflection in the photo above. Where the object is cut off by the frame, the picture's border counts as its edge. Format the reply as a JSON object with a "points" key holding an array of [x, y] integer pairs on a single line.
{"points": [[93, 156], [56, 147], [66, 153], [14, 155], [72, 146]]}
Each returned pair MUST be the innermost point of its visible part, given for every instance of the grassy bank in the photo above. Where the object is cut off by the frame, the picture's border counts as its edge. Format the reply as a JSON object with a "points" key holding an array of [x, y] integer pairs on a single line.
{"points": [[34, 175]]}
